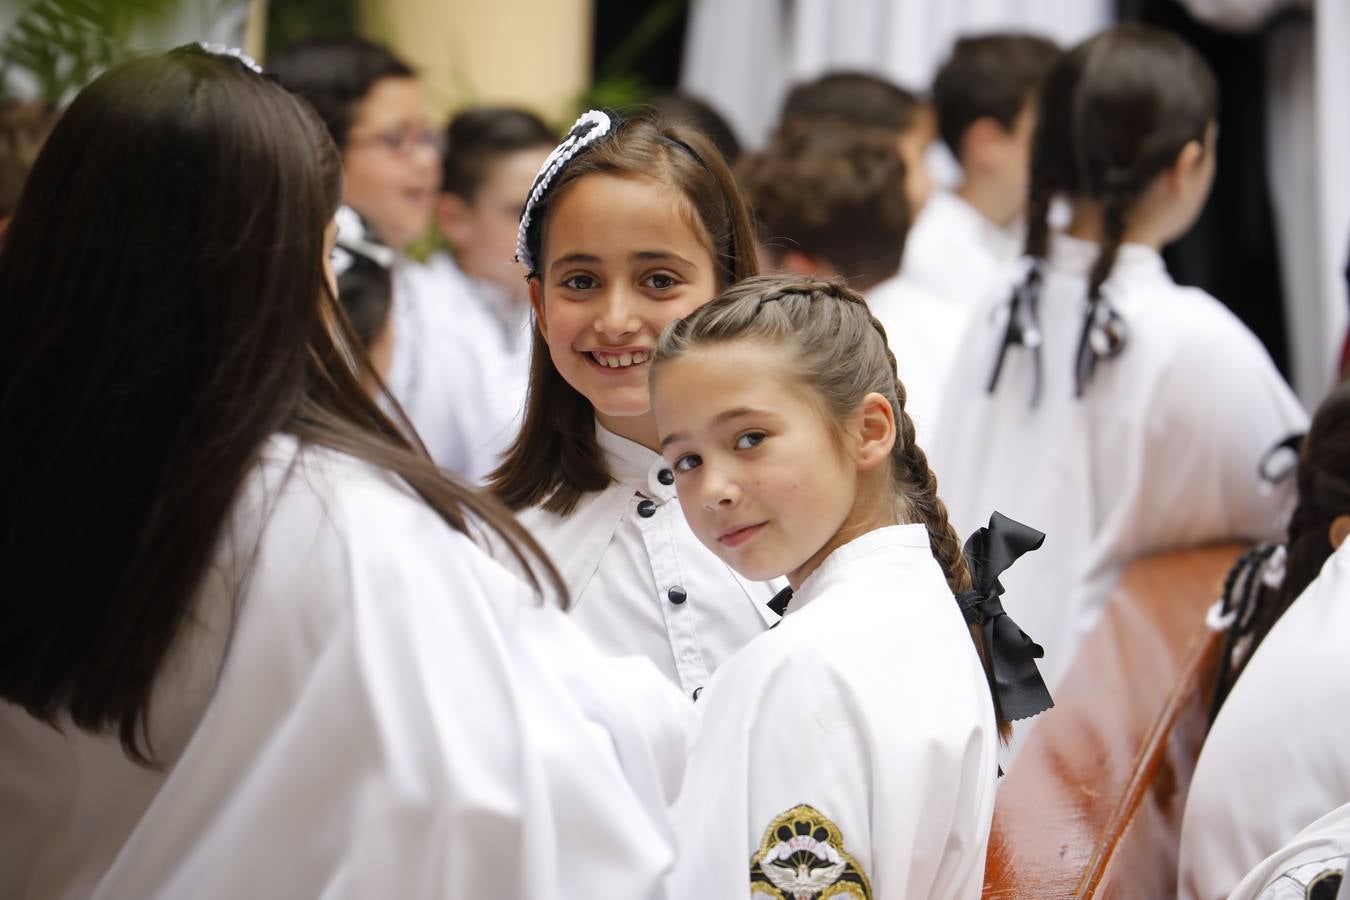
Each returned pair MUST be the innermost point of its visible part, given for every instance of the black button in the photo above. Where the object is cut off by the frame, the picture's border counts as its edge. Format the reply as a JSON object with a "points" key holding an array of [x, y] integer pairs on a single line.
{"points": [[665, 476], [677, 595], [697, 691], [646, 509]]}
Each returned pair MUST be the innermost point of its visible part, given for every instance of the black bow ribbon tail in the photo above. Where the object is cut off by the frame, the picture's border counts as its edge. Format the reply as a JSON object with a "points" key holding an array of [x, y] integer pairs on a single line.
{"points": [[1018, 684], [1023, 330]]}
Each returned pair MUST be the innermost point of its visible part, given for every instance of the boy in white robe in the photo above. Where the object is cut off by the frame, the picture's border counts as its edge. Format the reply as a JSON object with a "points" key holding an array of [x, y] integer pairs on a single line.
{"points": [[985, 100]]}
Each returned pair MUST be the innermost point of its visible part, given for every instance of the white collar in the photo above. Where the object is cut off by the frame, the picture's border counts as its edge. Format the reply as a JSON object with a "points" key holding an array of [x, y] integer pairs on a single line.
{"points": [[634, 465], [910, 537], [1076, 256], [969, 218]]}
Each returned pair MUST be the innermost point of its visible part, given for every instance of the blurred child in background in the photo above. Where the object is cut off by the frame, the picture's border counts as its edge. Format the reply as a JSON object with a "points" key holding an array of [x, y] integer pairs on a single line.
{"points": [[832, 202], [985, 100]]}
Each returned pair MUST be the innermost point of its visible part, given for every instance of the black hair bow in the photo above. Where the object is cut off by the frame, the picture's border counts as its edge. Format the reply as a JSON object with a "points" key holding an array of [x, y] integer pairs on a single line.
{"points": [[1012, 655]]}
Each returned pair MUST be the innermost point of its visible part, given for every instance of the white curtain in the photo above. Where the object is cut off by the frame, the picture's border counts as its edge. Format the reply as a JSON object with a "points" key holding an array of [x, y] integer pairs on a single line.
{"points": [[1308, 153], [742, 55]]}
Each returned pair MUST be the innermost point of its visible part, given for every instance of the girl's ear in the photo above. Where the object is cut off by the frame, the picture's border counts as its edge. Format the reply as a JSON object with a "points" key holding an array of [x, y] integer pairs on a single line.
{"points": [[876, 435], [537, 304], [1340, 530], [1186, 162]]}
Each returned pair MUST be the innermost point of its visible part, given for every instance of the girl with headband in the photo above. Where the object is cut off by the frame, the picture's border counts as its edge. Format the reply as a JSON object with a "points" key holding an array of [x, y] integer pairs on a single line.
{"points": [[629, 226]]}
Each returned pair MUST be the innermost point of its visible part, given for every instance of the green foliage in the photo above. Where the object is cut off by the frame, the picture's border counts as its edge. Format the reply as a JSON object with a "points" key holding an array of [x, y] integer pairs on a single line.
{"points": [[62, 44], [616, 85], [289, 21]]}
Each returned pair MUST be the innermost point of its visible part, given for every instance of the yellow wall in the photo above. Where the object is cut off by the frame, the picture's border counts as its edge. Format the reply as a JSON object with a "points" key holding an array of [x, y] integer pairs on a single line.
{"points": [[532, 53]]}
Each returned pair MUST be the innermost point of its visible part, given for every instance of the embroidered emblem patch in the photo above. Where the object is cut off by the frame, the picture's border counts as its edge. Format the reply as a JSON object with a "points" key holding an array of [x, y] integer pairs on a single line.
{"points": [[802, 857]]}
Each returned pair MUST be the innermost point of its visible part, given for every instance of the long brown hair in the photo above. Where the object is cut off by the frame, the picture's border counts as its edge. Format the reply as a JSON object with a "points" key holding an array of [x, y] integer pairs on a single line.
{"points": [[829, 336], [1114, 113], [164, 311], [555, 458]]}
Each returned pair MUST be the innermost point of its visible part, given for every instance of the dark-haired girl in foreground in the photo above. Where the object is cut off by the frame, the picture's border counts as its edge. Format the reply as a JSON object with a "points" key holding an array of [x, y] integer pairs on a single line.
{"points": [[1119, 411], [247, 648]]}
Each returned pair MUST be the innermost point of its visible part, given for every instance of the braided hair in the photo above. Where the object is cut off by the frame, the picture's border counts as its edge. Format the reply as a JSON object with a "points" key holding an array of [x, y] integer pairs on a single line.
{"points": [[1266, 580], [840, 349], [1114, 113]]}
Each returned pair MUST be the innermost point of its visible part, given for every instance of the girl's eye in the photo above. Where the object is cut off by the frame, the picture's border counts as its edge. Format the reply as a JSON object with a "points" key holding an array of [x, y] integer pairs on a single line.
{"points": [[750, 440], [579, 282], [661, 281], [688, 462]]}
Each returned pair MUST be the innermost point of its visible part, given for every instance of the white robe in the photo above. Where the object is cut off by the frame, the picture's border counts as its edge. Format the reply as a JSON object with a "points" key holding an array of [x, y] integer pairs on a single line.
{"points": [[955, 253], [391, 715], [625, 572], [1161, 451], [867, 704], [924, 331], [461, 364], [1320, 849], [744, 55], [1277, 756]]}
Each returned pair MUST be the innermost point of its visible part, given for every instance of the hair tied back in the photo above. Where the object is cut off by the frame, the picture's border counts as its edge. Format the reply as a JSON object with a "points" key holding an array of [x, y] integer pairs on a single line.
{"points": [[586, 130]]}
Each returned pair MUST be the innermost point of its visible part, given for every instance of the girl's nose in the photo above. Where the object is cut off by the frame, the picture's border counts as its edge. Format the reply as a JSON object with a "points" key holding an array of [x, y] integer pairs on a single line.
{"points": [[616, 317], [719, 492]]}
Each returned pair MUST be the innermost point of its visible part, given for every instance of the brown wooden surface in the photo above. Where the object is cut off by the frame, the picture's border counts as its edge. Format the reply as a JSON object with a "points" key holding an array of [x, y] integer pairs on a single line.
{"points": [[1092, 806]]}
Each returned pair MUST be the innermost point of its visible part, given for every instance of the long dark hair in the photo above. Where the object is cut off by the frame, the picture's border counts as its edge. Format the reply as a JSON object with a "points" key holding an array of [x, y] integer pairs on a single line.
{"points": [[555, 459], [163, 311], [839, 350], [1114, 113], [1323, 478]]}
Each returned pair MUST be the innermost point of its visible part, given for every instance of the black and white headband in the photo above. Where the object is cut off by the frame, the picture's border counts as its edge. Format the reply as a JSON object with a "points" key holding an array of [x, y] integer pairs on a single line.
{"points": [[232, 52], [591, 127]]}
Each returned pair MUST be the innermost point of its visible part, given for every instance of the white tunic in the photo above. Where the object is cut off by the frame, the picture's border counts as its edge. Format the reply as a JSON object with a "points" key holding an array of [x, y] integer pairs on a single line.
{"points": [[955, 253], [1321, 849], [394, 717], [1277, 756], [1161, 451], [867, 704], [640, 581], [924, 331], [461, 364]]}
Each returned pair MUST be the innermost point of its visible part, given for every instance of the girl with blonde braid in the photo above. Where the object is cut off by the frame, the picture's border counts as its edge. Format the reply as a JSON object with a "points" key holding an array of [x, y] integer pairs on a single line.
{"points": [[851, 751]]}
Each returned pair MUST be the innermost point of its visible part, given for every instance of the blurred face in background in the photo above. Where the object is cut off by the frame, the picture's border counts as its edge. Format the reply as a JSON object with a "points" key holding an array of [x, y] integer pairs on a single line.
{"points": [[391, 165], [913, 145], [482, 229]]}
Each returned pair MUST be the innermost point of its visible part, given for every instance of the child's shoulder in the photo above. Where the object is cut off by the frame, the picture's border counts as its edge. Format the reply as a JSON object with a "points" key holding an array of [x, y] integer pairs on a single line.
{"points": [[1192, 323]]}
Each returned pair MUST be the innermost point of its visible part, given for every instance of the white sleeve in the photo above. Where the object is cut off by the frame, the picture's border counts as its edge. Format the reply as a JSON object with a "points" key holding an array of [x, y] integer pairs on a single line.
{"points": [[799, 780], [372, 736], [1198, 476]]}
